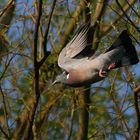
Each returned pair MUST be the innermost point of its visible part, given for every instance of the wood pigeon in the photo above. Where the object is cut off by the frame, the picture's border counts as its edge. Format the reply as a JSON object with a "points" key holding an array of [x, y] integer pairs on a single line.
{"points": [[81, 65]]}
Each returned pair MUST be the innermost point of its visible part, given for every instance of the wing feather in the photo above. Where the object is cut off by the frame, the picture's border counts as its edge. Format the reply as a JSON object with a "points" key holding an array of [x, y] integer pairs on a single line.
{"points": [[75, 46]]}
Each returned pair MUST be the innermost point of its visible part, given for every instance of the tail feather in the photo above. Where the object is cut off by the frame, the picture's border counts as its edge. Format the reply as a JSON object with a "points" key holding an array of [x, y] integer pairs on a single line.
{"points": [[129, 56]]}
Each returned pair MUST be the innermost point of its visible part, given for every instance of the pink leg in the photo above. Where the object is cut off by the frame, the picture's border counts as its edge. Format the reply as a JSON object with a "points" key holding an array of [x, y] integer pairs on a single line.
{"points": [[102, 73], [111, 66]]}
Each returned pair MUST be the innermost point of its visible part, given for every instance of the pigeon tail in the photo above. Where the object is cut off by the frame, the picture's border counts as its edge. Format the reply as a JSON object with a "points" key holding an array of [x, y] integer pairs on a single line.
{"points": [[127, 50]]}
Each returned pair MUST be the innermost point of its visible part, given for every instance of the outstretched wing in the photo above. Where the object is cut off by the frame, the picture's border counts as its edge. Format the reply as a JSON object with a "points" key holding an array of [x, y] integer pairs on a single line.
{"points": [[74, 47]]}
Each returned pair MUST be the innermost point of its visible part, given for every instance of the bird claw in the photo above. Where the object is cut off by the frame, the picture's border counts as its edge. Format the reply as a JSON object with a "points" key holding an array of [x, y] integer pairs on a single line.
{"points": [[111, 66], [102, 73]]}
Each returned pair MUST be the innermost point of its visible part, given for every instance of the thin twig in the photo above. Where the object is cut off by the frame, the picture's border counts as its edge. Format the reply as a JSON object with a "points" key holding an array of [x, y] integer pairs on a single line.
{"points": [[136, 105], [6, 67], [127, 16], [36, 32], [45, 40], [5, 110], [132, 8], [118, 110], [100, 9], [32, 17], [48, 25], [5, 134], [98, 131], [125, 8], [71, 124], [9, 5], [136, 90]]}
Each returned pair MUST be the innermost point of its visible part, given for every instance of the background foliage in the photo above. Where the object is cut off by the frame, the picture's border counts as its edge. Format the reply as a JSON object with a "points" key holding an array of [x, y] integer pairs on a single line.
{"points": [[32, 33]]}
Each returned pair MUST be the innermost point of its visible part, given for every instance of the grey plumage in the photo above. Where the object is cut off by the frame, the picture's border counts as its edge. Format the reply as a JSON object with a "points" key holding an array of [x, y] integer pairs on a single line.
{"points": [[88, 69]]}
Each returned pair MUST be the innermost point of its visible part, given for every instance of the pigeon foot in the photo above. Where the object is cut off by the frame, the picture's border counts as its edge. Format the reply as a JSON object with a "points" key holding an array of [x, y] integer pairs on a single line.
{"points": [[111, 66], [102, 73]]}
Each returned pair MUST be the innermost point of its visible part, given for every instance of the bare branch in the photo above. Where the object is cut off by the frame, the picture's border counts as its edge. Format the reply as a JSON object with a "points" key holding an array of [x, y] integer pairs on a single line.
{"points": [[5, 110], [70, 27], [84, 96], [127, 16], [6, 135], [7, 15], [100, 8], [83, 117], [36, 71], [6, 67], [117, 108], [48, 26], [132, 8], [44, 43], [36, 32], [71, 122], [108, 28], [136, 90]]}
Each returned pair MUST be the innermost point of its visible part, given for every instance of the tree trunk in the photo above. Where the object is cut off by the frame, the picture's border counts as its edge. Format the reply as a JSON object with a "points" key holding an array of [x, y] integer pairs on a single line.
{"points": [[83, 114]]}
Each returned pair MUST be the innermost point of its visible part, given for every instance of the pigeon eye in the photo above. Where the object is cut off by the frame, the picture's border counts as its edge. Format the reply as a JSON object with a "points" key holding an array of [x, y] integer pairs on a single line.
{"points": [[67, 76]]}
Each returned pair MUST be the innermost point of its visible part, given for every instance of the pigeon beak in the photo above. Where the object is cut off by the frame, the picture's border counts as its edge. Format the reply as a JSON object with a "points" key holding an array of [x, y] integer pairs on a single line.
{"points": [[54, 83], [51, 84]]}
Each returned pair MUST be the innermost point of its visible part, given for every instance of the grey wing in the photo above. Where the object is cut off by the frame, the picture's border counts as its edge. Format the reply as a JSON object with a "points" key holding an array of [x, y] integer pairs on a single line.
{"points": [[74, 47]]}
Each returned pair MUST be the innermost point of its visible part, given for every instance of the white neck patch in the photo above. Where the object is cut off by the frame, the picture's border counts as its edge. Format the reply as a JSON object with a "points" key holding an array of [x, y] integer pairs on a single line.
{"points": [[67, 76]]}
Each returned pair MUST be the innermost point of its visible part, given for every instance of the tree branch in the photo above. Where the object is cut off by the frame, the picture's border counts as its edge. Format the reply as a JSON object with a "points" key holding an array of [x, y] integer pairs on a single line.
{"points": [[48, 26], [124, 13], [100, 8], [108, 28], [7, 15], [84, 96], [132, 8], [136, 90], [5, 134], [36, 72], [71, 120], [5, 111], [83, 117], [70, 27], [36, 32], [44, 43]]}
